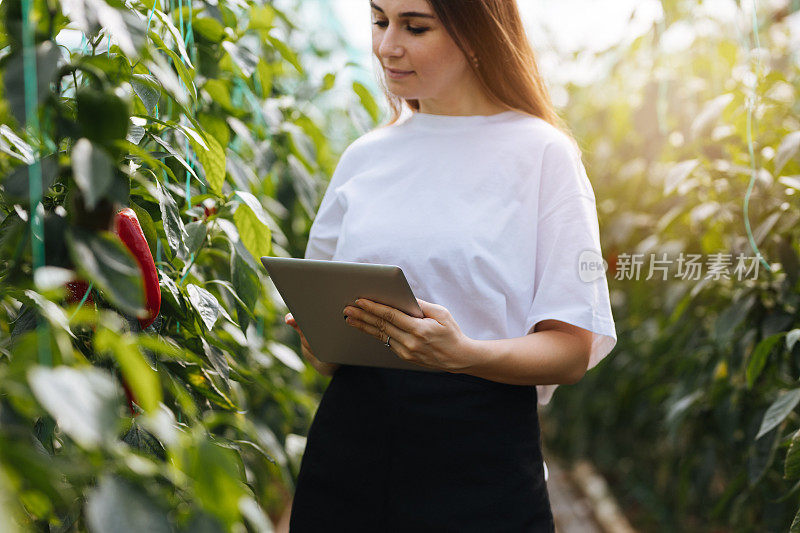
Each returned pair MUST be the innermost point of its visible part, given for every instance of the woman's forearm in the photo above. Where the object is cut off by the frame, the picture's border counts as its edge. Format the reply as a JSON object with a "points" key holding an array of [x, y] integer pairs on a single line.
{"points": [[542, 358]]}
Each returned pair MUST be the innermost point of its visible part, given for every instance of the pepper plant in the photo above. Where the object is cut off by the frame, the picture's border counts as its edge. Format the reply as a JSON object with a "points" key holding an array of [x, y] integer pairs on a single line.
{"points": [[150, 153]]}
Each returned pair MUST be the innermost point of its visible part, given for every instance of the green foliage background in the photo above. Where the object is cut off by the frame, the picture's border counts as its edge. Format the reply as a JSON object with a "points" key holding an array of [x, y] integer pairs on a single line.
{"points": [[692, 416]]}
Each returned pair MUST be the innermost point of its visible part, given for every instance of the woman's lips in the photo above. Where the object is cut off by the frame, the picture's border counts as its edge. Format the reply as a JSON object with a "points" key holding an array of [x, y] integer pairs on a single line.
{"points": [[398, 74]]}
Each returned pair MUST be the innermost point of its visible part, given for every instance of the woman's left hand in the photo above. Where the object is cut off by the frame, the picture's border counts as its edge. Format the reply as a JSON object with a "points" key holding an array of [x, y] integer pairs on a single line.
{"points": [[434, 341]]}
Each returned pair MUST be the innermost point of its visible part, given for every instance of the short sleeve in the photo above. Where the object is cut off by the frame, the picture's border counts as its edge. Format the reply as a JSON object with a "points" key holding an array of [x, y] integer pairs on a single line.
{"points": [[324, 233], [570, 283]]}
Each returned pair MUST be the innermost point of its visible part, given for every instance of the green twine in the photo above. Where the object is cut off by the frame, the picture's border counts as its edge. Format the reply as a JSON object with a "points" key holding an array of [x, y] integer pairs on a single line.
{"points": [[750, 102], [35, 169]]}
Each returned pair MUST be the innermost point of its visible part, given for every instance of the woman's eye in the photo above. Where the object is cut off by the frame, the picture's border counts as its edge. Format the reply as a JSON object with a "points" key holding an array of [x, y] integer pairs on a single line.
{"points": [[412, 29]]}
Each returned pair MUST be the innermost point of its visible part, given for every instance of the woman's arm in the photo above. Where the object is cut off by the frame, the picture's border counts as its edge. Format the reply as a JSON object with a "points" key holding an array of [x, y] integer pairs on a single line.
{"points": [[555, 353]]}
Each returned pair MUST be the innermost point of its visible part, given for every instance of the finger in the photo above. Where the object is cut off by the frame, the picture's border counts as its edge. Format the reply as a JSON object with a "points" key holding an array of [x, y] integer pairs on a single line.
{"points": [[399, 337], [387, 313], [378, 326]]}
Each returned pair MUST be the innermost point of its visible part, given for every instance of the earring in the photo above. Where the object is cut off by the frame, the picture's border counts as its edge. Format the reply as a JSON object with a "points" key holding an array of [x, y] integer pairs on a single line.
{"points": [[474, 60]]}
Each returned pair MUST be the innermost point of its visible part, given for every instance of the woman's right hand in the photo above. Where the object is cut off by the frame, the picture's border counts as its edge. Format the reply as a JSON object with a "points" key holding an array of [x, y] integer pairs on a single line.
{"points": [[326, 369]]}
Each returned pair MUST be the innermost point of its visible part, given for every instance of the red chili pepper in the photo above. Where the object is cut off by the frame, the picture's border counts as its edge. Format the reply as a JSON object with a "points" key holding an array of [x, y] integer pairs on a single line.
{"points": [[75, 291], [127, 227], [129, 395]]}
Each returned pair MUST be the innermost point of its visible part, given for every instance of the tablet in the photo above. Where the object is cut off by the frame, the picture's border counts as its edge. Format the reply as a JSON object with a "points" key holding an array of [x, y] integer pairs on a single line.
{"points": [[317, 291]]}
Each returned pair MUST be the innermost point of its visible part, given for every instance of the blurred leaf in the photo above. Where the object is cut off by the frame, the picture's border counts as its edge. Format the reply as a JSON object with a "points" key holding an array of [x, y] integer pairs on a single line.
{"points": [[787, 150], [792, 464], [217, 359], [197, 378], [93, 103], [710, 114], [17, 184], [47, 56], [92, 170], [286, 52], [779, 410], [678, 173], [143, 441], [209, 28], [142, 379], [367, 101], [217, 482], [758, 358], [83, 401], [119, 506]]}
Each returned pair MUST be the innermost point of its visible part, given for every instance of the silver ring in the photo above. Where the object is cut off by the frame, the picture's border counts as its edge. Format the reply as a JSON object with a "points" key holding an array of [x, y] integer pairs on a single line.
{"points": [[387, 340]]}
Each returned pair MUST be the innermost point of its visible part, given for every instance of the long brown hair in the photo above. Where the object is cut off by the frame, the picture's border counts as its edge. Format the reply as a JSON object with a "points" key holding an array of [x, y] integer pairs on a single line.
{"points": [[507, 68]]}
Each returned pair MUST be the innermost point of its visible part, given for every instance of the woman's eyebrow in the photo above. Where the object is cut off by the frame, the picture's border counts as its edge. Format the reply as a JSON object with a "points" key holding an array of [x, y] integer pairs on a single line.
{"points": [[407, 14]]}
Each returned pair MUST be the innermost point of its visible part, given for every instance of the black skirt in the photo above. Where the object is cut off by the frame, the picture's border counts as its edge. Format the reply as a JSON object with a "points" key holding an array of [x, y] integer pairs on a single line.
{"points": [[406, 450]]}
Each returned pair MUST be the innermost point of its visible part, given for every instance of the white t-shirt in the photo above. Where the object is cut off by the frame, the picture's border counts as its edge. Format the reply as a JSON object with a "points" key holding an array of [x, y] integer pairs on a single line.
{"points": [[487, 215]]}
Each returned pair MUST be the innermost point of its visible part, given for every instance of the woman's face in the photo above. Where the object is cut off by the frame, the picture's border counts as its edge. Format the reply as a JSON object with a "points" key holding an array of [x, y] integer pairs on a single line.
{"points": [[407, 35]]}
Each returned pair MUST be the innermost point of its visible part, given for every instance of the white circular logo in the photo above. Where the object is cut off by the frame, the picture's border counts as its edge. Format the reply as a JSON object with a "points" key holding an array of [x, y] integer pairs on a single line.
{"points": [[591, 265]]}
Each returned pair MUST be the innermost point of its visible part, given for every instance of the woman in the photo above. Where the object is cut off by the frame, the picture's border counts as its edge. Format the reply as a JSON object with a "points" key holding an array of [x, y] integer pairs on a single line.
{"points": [[480, 196]]}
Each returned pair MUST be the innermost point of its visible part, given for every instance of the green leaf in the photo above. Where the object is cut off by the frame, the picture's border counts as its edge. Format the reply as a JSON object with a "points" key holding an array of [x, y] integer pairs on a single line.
{"points": [[791, 468], [219, 92], [183, 73], [142, 379], [678, 173], [174, 153], [148, 90], [245, 281], [103, 259], [217, 359], [173, 225], [255, 236], [213, 161], [144, 442], [260, 17], [787, 150], [16, 185], [115, 113], [176, 37], [83, 401], [328, 81], [217, 481], [208, 28], [758, 359], [170, 293], [710, 114], [47, 55], [206, 305], [119, 506], [286, 52], [197, 378], [367, 101], [779, 410], [791, 338], [196, 232], [92, 170], [242, 58], [216, 126]]}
